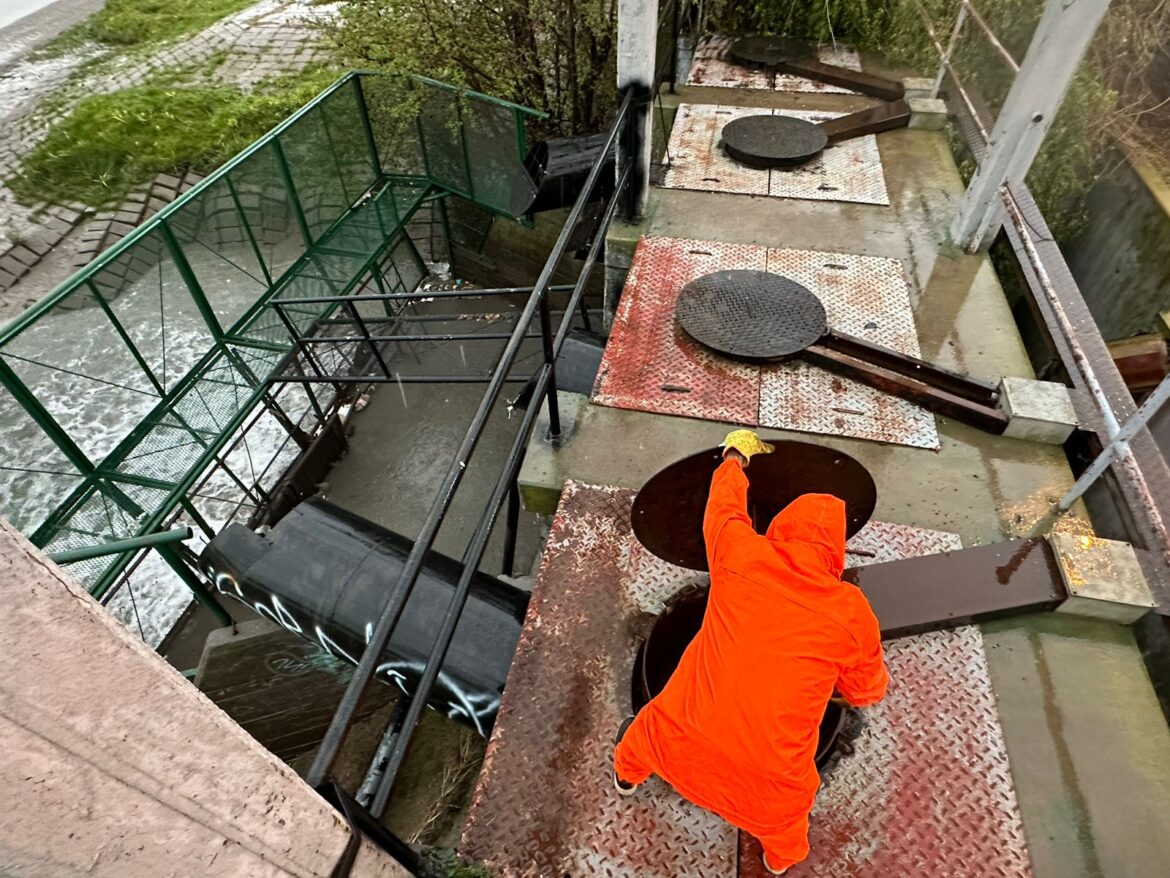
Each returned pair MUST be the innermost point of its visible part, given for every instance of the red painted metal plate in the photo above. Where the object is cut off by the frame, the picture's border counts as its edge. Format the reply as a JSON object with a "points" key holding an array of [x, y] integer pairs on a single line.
{"points": [[546, 806], [927, 793], [650, 363]]}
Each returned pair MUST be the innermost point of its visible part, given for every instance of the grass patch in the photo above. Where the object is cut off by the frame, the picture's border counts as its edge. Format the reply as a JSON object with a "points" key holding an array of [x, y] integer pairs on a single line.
{"points": [[111, 144], [125, 23]]}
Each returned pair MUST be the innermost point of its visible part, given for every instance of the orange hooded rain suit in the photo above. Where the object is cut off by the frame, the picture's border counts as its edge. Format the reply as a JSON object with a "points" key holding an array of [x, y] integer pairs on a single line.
{"points": [[735, 728]]}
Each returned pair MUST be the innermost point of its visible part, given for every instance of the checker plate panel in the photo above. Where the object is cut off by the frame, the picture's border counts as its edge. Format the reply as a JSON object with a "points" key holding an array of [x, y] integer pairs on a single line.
{"points": [[927, 792], [650, 363], [867, 297], [712, 67], [545, 806], [847, 171]]}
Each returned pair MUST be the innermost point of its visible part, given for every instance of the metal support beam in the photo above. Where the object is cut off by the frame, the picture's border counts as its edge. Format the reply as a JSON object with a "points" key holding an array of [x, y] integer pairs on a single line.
{"points": [[146, 541], [637, 42], [1057, 47], [1119, 444]]}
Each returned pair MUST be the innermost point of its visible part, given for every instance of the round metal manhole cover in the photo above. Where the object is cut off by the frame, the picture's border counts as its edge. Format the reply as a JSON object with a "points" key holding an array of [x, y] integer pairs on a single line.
{"points": [[667, 516], [770, 51], [773, 141], [751, 315]]}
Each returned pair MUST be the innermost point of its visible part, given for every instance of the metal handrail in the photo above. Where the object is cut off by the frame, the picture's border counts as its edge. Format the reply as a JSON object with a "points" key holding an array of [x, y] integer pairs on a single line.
{"points": [[388, 619], [992, 38], [1117, 439], [402, 733]]}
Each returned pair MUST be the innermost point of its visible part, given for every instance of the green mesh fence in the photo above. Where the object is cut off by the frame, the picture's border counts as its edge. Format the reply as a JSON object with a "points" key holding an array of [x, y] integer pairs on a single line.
{"points": [[123, 389]]}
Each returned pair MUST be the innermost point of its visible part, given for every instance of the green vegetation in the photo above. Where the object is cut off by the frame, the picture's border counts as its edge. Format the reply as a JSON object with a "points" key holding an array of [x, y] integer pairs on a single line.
{"points": [[136, 22], [557, 56], [112, 143]]}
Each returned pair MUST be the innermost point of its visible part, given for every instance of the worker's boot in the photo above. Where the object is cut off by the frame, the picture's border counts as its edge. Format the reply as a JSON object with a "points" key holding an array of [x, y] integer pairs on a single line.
{"points": [[770, 870], [623, 788]]}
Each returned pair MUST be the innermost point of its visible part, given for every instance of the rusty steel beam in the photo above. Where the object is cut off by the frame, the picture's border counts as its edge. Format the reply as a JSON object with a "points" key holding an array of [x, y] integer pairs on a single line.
{"points": [[875, 120], [961, 587], [914, 384], [982, 392], [863, 83]]}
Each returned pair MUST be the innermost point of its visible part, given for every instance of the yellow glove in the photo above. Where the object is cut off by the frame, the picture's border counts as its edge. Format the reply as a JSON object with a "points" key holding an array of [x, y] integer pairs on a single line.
{"points": [[746, 443]]}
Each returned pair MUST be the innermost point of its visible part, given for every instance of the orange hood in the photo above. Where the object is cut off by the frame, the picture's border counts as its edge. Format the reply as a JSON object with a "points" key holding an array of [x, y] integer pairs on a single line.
{"points": [[819, 521]]}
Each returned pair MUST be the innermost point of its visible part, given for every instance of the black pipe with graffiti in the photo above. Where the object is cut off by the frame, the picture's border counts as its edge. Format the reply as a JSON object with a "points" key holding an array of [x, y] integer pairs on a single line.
{"points": [[325, 575]]}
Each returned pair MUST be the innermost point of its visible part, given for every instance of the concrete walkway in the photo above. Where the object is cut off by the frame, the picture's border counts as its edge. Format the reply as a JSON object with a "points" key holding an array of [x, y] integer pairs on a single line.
{"points": [[1087, 742]]}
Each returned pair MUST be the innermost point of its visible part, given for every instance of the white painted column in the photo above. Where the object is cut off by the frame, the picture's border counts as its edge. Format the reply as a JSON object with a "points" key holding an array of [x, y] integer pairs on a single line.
{"points": [[636, 44], [1057, 47]]}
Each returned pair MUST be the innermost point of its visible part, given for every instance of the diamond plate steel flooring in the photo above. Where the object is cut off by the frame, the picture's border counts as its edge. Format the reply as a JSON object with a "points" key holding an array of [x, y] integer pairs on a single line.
{"points": [[847, 171], [927, 791], [867, 297], [651, 365]]}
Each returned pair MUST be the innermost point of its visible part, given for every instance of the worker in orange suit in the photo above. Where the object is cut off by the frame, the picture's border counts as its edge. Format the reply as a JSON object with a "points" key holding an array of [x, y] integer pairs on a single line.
{"points": [[735, 729]]}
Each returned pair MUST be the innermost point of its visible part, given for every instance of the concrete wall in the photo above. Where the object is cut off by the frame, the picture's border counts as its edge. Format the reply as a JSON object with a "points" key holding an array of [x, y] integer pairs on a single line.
{"points": [[1122, 261], [113, 765]]}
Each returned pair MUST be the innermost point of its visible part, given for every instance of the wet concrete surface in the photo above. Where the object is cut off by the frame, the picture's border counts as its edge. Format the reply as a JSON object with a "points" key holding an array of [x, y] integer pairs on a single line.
{"points": [[1087, 741], [1089, 746], [983, 487]]}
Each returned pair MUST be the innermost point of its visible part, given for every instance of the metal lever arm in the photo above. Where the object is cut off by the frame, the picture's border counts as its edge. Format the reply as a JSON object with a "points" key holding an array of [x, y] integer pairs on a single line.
{"points": [[939, 390], [865, 83]]}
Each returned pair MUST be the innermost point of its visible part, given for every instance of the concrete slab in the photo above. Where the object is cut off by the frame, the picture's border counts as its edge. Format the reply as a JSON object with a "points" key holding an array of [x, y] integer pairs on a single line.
{"points": [[929, 113], [1088, 745], [1041, 411], [1104, 579]]}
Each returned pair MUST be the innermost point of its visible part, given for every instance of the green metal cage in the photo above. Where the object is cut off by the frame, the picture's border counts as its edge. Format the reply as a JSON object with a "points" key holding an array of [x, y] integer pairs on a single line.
{"points": [[124, 388]]}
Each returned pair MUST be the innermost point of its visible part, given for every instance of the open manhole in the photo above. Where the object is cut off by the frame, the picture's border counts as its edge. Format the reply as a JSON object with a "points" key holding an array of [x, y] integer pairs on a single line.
{"points": [[667, 515], [663, 649]]}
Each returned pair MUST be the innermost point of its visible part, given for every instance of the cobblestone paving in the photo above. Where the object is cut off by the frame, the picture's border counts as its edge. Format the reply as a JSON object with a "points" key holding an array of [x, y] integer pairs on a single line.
{"points": [[265, 40]]}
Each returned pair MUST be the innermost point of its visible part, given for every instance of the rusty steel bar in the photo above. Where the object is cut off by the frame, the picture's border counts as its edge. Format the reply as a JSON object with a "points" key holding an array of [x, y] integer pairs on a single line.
{"points": [[981, 392], [875, 120], [863, 83], [916, 390]]}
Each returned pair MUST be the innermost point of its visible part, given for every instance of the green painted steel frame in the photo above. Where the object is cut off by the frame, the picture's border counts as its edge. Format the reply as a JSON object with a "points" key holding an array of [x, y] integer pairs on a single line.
{"points": [[103, 476]]}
